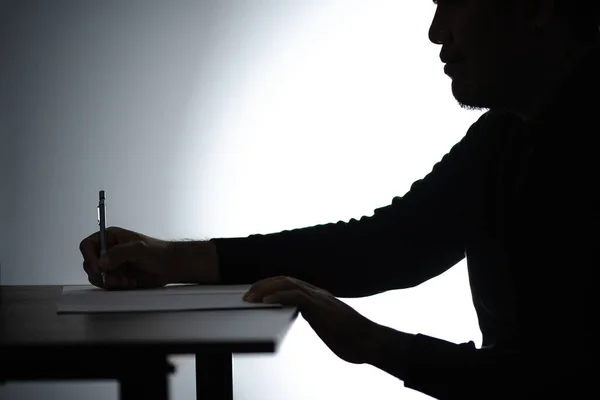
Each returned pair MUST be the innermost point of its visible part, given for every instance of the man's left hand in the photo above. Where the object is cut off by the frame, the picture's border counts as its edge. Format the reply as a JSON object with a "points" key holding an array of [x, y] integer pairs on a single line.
{"points": [[347, 333]]}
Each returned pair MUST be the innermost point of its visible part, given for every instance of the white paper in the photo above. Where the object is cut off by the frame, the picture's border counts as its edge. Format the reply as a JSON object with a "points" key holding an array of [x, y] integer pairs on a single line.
{"points": [[90, 299]]}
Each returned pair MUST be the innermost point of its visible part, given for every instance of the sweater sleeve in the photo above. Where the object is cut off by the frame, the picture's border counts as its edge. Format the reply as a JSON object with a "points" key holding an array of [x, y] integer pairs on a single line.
{"points": [[413, 239], [448, 371]]}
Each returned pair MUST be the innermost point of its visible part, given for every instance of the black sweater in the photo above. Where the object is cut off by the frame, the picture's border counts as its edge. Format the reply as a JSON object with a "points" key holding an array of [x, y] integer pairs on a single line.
{"points": [[519, 201]]}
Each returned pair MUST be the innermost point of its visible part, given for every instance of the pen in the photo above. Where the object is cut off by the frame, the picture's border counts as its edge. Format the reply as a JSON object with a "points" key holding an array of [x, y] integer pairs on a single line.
{"points": [[102, 223]]}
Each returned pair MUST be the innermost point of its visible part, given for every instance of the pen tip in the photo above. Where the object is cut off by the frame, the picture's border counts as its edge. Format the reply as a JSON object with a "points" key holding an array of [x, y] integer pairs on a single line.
{"points": [[102, 194]]}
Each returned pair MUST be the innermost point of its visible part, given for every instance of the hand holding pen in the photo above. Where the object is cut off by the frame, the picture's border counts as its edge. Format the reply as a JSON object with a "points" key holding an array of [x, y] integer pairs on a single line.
{"points": [[117, 258]]}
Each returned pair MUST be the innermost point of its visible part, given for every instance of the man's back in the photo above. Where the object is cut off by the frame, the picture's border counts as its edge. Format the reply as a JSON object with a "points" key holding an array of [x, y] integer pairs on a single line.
{"points": [[530, 261], [518, 199]]}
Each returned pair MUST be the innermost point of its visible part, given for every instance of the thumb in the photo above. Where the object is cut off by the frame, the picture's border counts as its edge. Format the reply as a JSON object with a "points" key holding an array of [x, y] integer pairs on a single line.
{"points": [[122, 253]]}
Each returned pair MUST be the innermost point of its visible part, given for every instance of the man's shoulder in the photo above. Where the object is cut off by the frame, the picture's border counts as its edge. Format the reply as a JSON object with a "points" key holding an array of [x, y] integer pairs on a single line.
{"points": [[492, 129], [498, 121], [490, 136]]}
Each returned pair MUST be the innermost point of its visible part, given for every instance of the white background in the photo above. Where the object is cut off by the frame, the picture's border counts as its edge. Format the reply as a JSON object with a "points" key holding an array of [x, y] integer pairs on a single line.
{"points": [[217, 119]]}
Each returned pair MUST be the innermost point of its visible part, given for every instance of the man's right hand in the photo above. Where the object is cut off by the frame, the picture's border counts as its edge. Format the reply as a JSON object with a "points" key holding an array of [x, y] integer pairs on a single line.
{"points": [[134, 260]]}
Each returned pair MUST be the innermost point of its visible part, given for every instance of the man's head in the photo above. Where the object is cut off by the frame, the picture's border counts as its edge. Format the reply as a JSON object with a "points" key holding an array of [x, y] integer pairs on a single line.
{"points": [[506, 54]]}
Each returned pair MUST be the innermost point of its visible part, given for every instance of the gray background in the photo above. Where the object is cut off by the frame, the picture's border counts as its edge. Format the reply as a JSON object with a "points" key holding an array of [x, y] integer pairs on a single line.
{"points": [[222, 118]]}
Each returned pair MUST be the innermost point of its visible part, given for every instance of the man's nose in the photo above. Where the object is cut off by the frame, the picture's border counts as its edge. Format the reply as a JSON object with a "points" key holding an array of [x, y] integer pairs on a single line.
{"points": [[438, 34]]}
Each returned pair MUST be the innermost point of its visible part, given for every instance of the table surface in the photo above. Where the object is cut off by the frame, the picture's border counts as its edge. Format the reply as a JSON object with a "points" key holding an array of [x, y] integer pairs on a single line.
{"points": [[29, 323]]}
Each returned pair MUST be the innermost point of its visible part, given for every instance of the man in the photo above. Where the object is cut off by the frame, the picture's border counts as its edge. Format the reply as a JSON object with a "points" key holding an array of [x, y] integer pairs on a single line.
{"points": [[515, 197]]}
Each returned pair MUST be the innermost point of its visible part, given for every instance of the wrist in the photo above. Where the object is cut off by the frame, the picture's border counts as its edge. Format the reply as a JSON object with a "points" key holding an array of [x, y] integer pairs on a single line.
{"points": [[194, 261], [388, 350]]}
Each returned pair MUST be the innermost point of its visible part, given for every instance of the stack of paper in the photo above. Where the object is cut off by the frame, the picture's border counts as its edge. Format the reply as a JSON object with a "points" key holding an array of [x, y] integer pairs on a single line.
{"points": [[90, 299]]}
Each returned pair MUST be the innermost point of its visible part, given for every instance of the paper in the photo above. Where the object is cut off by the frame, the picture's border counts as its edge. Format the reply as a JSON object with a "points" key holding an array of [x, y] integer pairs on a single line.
{"points": [[90, 299]]}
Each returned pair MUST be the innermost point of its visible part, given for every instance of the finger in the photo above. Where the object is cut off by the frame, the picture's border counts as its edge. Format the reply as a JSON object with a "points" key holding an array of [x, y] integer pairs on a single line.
{"points": [[260, 285], [316, 289], [116, 235], [90, 271], [94, 277], [118, 281], [90, 249], [295, 297], [271, 285], [122, 253], [141, 279], [90, 246], [124, 278]]}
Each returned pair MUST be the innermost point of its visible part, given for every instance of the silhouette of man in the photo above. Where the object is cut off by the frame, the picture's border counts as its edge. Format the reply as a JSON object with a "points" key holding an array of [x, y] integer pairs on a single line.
{"points": [[515, 197]]}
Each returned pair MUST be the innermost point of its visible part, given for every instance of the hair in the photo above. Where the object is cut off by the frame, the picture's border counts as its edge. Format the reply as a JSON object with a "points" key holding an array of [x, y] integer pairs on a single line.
{"points": [[583, 17]]}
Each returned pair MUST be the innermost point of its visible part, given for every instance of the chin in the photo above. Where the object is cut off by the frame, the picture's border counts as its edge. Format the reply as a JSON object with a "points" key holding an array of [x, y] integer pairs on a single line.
{"points": [[469, 99]]}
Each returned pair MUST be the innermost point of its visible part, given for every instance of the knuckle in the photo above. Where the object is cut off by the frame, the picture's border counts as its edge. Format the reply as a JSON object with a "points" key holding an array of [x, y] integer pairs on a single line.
{"points": [[94, 281], [295, 283], [90, 268], [141, 247], [82, 245]]}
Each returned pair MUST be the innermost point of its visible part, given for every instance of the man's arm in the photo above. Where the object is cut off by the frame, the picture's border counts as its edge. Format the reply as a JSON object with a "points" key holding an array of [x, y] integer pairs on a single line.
{"points": [[417, 237], [445, 370]]}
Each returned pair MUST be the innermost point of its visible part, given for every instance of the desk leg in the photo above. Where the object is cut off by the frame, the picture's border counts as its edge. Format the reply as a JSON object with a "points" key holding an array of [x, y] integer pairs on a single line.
{"points": [[214, 376], [148, 380]]}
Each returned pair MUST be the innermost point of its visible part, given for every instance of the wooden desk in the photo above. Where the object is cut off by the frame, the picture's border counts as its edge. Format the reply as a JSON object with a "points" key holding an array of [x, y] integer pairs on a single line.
{"points": [[133, 348]]}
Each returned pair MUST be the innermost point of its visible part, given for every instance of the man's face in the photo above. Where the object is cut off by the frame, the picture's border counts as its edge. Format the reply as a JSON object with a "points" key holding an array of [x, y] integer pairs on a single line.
{"points": [[486, 46]]}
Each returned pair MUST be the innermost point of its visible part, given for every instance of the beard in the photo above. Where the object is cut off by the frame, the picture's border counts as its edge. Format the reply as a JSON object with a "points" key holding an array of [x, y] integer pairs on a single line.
{"points": [[471, 108], [476, 97]]}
